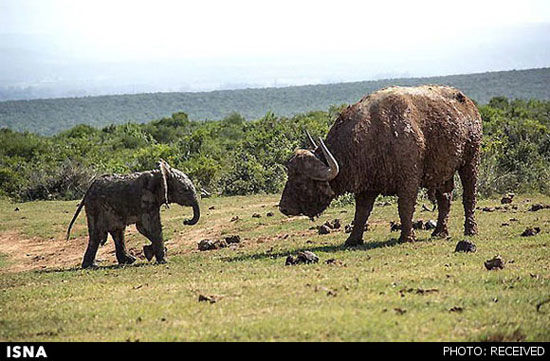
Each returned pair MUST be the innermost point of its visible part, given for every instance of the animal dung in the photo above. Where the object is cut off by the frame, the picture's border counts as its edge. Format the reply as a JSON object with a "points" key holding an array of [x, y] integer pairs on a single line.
{"points": [[465, 246], [494, 263], [326, 227], [507, 199], [530, 231], [538, 207], [269, 214], [394, 227], [488, 209], [302, 257], [256, 215], [418, 224], [208, 244], [209, 298], [335, 262], [335, 224], [399, 311], [234, 219], [233, 239]]}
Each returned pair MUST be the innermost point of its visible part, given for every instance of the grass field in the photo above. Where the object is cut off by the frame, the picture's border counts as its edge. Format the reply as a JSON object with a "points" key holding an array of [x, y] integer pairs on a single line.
{"points": [[381, 291]]}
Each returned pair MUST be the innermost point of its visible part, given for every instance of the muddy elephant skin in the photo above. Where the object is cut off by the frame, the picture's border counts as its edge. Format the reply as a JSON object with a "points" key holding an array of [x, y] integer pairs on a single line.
{"points": [[113, 202]]}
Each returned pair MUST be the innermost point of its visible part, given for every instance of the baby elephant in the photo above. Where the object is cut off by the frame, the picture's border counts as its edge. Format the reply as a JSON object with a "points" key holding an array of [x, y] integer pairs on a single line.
{"points": [[115, 201]]}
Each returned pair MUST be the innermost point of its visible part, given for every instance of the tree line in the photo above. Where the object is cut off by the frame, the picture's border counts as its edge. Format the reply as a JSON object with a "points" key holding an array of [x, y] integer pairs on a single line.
{"points": [[234, 156], [50, 116]]}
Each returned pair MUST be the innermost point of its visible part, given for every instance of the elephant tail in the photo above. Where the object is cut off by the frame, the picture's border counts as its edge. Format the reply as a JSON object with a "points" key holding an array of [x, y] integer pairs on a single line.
{"points": [[80, 205]]}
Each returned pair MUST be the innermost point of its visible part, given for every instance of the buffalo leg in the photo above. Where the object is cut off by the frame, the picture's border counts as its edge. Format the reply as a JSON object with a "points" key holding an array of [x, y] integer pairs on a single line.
{"points": [[151, 228], [122, 255], [405, 206], [444, 198], [363, 207], [468, 177]]}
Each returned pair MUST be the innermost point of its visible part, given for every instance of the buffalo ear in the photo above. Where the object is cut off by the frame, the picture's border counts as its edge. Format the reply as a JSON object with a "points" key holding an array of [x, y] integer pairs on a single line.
{"points": [[164, 170]]}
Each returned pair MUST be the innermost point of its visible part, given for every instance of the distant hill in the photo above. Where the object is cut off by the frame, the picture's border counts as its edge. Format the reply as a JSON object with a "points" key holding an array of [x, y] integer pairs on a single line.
{"points": [[49, 116]]}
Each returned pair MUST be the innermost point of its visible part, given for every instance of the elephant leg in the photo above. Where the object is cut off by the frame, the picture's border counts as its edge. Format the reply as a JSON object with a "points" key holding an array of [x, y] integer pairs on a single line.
{"points": [[96, 236], [468, 177], [405, 206], [150, 227], [363, 207], [444, 197], [122, 255]]}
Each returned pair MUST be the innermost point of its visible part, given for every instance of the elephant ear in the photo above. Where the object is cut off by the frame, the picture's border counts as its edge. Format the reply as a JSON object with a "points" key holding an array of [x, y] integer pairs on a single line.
{"points": [[164, 170]]}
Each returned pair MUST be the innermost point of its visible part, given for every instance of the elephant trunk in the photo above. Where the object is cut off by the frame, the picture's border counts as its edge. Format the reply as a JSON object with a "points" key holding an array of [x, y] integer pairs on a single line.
{"points": [[196, 215]]}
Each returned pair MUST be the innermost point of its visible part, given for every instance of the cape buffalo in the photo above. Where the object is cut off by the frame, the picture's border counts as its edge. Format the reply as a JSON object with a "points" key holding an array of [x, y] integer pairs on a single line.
{"points": [[392, 142]]}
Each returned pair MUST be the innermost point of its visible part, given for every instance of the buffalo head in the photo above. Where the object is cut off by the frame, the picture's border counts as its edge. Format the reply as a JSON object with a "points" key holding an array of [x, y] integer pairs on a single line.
{"points": [[307, 190]]}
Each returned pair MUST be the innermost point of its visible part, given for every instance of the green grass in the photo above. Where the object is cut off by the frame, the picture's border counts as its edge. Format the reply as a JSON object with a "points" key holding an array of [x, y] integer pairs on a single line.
{"points": [[262, 299]]}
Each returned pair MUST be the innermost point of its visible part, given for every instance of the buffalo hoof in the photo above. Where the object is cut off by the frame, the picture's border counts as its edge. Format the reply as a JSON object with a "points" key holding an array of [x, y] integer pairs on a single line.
{"points": [[352, 242], [440, 234], [148, 251], [128, 259]]}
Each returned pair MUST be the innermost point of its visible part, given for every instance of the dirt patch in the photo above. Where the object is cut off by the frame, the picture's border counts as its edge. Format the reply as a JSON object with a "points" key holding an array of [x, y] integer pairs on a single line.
{"points": [[34, 253]]}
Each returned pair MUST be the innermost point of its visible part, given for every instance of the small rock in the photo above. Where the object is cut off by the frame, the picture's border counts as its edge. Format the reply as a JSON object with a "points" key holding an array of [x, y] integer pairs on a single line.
{"points": [[348, 228], [233, 239], [269, 214], [465, 246], [488, 209], [307, 257], [494, 263], [505, 224], [302, 257], [530, 232], [211, 207], [234, 219], [431, 224], [456, 309], [16, 209], [256, 215], [324, 229]]}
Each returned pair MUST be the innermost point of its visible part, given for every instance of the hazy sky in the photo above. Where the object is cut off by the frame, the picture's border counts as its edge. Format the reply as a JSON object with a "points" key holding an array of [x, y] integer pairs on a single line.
{"points": [[336, 40]]}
